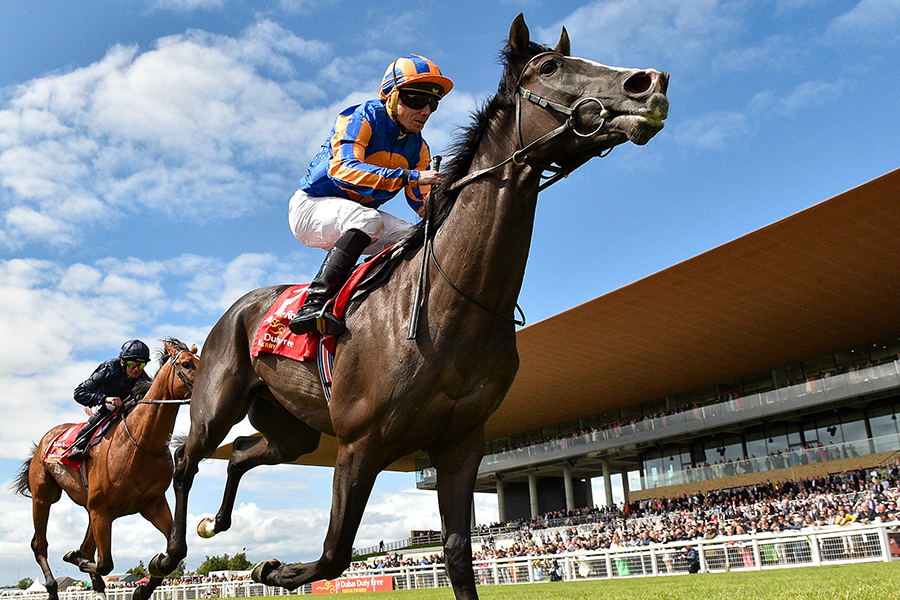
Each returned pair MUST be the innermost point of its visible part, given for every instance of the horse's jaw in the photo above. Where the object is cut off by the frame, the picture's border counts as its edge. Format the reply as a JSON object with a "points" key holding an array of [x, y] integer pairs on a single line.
{"points": [[638, 128]]}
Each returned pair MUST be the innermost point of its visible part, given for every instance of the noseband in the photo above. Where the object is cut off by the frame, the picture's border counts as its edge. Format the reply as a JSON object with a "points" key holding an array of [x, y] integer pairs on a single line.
{"points": [[520, 157]]}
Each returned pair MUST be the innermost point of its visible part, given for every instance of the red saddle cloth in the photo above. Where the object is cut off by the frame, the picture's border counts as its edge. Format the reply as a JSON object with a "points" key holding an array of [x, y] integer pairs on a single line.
{"points": [[273, 335], [59, 448]]}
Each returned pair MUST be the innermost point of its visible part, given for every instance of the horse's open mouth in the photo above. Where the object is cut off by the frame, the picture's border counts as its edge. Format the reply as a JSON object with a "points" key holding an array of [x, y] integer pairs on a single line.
{"points": [[639, 129]]}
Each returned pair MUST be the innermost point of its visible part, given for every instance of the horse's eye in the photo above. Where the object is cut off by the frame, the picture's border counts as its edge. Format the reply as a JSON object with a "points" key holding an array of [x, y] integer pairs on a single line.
{"points": [[549, 67]]}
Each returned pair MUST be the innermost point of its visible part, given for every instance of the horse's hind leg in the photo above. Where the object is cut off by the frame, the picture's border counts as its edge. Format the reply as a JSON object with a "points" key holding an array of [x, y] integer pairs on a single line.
{"points": [[286, 439], [355, 471], [45, 491]]}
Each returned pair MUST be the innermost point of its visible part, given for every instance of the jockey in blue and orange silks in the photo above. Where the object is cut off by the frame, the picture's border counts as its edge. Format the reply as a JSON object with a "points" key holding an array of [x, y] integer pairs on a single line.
{"points": [[374, 151]]}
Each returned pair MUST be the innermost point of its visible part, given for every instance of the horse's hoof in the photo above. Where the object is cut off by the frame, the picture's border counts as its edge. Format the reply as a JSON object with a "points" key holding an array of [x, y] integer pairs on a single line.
{"points": [[99, 596], [207, 528], [72, 556], [263, 569], [154, 566]]}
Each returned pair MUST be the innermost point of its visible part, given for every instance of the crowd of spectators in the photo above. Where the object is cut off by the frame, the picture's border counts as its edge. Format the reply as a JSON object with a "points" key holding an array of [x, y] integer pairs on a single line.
{"points": [[835, 500]]}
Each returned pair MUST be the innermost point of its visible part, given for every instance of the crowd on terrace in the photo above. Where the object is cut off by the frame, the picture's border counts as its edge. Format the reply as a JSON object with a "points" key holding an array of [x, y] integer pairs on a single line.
{"points": [[833, 501]]}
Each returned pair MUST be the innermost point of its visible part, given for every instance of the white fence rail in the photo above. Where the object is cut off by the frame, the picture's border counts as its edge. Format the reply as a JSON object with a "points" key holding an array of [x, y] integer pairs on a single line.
{"points": [[830, 546]]}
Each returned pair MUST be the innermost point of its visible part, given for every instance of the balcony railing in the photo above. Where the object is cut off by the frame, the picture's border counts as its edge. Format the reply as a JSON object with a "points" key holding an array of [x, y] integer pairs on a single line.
{"points": [[804, 395]]}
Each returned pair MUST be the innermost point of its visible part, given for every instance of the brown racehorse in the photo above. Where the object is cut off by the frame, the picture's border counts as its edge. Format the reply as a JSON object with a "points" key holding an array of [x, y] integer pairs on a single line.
{"points": [[128, 472], [392, 396]]}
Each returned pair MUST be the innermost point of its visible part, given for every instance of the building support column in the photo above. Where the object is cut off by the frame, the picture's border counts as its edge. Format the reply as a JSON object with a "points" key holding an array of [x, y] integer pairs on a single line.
{"points": [[625, 490], [532, 494], [501, 501], [607, 482], [589, 492], [570, 493]]}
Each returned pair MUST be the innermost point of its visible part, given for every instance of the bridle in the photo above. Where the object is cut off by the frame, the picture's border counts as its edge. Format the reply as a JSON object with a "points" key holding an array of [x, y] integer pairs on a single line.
{"points": [[176, 370], [521, 157]]}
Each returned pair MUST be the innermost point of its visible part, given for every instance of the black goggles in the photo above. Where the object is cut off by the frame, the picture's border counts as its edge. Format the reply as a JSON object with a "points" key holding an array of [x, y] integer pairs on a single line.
{"points": [[419, 100]]}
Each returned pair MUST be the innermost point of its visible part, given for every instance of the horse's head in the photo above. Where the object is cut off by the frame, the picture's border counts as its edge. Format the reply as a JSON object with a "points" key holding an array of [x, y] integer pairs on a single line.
{"points": [[571, 109], [183, 362]]}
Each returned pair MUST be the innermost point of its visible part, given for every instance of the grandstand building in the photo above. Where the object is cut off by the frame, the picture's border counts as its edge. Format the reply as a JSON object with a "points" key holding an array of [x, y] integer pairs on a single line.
{"points": [[776, 351], [771, 357]]}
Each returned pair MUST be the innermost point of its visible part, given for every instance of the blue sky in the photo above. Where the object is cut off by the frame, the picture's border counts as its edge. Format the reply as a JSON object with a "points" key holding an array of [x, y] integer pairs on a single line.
{"points": [[148, 149]]}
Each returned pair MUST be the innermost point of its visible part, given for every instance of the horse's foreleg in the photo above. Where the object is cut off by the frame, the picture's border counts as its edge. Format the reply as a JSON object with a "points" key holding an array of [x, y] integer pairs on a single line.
{"points": [[354, 475], [247, 453], [457, 468], [101, 529], [285, 438], [85, 552]]}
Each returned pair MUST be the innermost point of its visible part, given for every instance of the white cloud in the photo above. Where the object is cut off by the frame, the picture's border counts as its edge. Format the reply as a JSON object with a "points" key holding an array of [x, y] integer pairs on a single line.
{"points": [[711, 131], [195, 118], [869, 22], [644, 33], [186, 5]]}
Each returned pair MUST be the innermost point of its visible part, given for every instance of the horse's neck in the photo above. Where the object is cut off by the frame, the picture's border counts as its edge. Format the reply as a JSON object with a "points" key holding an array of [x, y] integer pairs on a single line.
{"points": [[151, 425], [483, 245]]}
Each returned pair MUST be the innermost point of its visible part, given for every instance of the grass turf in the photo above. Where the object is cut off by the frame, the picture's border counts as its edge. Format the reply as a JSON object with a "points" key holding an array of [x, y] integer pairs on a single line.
{"points": [[870, 581]]}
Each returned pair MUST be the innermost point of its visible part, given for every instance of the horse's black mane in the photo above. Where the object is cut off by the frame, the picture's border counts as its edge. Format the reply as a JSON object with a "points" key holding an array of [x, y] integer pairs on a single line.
{"points": [[464, 145]]}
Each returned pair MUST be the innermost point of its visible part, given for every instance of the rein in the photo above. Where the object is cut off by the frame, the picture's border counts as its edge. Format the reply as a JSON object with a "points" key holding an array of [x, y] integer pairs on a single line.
{"points": [[519, 158], [175, 370]]}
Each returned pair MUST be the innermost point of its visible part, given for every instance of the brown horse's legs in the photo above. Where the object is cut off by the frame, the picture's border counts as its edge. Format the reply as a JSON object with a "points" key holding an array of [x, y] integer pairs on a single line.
{"points": [[44, 492], [457, 468], [161, 516], [354, 475], [101, 527]]}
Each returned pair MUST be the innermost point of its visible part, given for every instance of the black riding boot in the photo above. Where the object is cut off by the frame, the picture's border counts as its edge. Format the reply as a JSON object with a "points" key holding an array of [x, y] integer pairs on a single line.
{"points": [[80, 445], [340, 259]]}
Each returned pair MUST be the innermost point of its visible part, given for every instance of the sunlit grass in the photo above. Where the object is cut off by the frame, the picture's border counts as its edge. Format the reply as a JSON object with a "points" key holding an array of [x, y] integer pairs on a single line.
{"points": [[870, 581]]}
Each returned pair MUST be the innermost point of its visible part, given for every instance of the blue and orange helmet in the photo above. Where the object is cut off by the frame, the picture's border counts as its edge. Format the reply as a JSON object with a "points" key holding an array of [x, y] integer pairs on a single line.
{"points": [[412, 71]]}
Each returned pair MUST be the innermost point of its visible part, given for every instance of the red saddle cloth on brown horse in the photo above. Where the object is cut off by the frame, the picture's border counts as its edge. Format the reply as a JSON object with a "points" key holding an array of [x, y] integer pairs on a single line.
{"points": [[59, 449]]}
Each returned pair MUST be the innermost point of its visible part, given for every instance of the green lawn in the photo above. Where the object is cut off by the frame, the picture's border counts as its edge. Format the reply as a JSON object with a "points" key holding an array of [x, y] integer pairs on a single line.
{"points": [[871, 581]]}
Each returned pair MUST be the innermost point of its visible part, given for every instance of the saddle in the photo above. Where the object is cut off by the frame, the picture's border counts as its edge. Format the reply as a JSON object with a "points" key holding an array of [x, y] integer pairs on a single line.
{"points": [[274, 337], [58, 450]]}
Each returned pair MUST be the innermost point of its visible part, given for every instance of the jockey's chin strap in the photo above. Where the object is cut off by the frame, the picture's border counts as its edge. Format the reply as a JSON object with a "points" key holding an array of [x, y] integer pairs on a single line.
{"points": [[521, 156]]}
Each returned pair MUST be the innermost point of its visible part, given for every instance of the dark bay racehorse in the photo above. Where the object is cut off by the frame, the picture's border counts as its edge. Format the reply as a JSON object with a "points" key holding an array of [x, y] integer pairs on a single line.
{"points": [[128, 472], [393, 396]]}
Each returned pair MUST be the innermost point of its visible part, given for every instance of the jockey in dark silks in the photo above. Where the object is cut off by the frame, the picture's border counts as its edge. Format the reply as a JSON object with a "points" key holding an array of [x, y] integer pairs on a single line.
{"points": [[374, 152], [107, 387]]}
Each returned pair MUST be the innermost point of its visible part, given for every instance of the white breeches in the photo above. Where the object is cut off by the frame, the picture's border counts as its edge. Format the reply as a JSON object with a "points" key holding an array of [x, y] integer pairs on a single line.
{"points": [[318, 222]]}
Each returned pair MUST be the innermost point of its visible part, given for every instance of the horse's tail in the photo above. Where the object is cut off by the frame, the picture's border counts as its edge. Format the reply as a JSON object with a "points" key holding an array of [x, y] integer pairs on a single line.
{"points": [[21, 485]]}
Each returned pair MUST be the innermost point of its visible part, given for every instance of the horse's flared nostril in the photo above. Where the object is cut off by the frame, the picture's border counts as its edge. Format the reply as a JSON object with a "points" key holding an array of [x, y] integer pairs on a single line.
{"points": [[644, 82], [639, 83]]}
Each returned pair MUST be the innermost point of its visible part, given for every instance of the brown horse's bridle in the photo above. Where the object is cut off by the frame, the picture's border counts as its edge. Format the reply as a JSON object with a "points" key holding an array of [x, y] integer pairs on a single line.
{"points": [[190, 385], [520, 157]]}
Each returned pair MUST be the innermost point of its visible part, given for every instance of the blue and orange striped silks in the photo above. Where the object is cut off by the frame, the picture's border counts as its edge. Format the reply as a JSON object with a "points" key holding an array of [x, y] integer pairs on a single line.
{"points": [[368, 159]]}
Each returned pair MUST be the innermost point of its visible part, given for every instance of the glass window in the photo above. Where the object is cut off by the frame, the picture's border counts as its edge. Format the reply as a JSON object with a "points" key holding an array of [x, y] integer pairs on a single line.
{"points": [[853, 427], [777, 440], [883, 421], [756, 445]]}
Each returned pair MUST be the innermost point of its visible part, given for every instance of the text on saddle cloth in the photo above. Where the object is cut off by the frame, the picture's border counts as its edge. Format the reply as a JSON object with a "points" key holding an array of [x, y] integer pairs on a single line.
{"points": [[274, 337]]}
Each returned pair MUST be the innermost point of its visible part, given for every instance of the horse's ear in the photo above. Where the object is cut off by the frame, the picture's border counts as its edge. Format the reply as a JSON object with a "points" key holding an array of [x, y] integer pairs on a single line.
{"points": [[563, 46], [194, 349], [519, 36]]}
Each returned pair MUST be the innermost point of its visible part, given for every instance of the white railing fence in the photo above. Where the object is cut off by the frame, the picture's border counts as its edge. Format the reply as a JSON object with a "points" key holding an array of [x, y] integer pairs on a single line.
{"points": [[829, 546]]}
